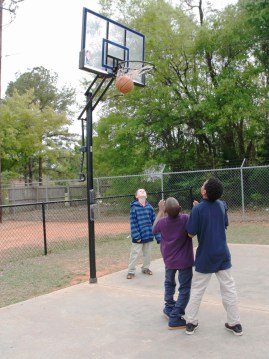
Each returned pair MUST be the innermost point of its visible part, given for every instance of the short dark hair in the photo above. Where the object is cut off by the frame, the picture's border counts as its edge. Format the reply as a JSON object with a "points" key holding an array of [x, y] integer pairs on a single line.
{"points": [[172, 207], [173, 211], [214, 189]]}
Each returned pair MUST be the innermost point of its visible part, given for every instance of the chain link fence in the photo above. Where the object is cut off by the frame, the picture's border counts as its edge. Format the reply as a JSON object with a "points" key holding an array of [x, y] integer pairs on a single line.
{"points": [[44, 231], [58, 231], [29, 230], [245, 189]]}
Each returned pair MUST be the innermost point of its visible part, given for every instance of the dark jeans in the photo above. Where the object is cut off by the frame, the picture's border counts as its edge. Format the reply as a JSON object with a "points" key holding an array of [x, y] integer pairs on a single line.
{"points": [[177, 308]]}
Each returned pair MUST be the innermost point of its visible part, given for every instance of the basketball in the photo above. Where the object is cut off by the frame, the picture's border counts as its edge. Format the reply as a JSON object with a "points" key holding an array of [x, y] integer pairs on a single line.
{"points": [[124, 84]]}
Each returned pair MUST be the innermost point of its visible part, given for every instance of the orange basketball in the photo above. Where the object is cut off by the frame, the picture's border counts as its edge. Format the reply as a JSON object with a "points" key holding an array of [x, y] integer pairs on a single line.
{"points": [[124, 84]]}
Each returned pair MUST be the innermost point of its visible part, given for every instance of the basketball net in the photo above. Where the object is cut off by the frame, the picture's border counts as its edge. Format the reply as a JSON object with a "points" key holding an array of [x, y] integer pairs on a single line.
{"points": [[133, 72]]}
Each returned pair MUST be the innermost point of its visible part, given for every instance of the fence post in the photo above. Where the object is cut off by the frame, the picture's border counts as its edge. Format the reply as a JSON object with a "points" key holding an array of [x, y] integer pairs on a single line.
{"points": [[242, 189], [44, 229], [162, 170], [162, 184], [191, 198], [98, 195]]}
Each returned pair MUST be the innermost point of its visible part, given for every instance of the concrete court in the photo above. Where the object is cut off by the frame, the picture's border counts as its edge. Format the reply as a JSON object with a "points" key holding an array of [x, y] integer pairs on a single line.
{"points": [[120, 318]]}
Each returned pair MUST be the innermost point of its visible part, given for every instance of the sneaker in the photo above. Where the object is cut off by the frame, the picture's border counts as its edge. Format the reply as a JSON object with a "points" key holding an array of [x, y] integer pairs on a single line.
{"points": [[166, 313], [147, 271], [176, 323], [190, 328], [236, 329], [130, 276]]}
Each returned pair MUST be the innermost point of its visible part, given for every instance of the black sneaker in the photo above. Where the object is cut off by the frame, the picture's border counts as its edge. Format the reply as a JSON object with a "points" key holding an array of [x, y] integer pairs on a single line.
{"points": [[130, 276], [166, 313], [190, 328], [236, 329], [176, 323]]}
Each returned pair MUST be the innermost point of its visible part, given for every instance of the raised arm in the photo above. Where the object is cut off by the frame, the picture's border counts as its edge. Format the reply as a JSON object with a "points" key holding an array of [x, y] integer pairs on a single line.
{"points": [[160, 214]]}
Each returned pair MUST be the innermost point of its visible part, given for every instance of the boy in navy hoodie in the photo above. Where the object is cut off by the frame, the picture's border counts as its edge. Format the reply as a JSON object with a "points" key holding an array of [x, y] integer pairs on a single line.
{"points": [[142, 216], [208, 220]]}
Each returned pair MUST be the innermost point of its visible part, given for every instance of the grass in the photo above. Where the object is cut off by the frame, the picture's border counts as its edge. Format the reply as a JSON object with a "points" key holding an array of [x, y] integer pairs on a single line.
{"points": [[27, 278], [248, 233], [21, 279]]}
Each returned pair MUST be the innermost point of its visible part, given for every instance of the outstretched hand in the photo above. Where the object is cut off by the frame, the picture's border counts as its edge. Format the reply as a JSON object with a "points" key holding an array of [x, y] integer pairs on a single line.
{"points": [[161, 205], [160, 214]]}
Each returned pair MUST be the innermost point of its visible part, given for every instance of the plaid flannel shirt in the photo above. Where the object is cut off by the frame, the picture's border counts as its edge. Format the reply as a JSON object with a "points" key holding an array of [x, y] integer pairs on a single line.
{"points": [[141, 221]]}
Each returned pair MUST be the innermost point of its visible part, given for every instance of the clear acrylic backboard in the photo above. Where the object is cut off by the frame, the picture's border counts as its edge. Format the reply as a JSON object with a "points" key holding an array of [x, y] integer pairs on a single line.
{"points": [[105, 43]]}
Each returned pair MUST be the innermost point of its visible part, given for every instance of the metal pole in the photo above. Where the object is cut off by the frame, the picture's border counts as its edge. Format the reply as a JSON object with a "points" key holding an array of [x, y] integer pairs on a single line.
{"points": [[162, 170], [162, 185], [191, 198], [90, 194], [242, 189], [44, 229], [98, 195]]}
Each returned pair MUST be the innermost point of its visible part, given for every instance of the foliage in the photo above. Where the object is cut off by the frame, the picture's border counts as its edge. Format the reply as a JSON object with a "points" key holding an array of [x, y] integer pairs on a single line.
{"points": [[206, 104], [28, 134], [46, 92], [35, 116], [257, 17]]}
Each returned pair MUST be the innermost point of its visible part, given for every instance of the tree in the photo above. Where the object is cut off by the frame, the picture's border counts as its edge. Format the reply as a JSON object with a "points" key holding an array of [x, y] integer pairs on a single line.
{"points": [[205, 103], [152, 108], [54, 106], [46, 92], [10, 6], [28, 134], [256, 17]]}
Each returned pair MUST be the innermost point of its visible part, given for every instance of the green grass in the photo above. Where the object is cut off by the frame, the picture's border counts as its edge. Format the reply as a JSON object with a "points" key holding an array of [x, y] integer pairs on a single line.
{"points": [[248, 233], [31, 277], [66, 265], [21, 279]]}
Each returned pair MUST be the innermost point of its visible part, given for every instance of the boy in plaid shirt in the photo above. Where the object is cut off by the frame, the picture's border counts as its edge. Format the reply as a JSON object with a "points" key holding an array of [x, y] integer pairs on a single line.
{"points": [[142, 216]]}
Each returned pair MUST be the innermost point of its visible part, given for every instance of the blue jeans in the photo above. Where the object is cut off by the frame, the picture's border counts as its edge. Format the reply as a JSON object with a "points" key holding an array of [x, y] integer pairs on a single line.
{"points": [[177, 308]]}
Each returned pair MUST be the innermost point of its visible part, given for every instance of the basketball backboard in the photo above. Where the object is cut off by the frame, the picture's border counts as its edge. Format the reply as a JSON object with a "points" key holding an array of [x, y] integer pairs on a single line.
{"points": [[105, 43]]}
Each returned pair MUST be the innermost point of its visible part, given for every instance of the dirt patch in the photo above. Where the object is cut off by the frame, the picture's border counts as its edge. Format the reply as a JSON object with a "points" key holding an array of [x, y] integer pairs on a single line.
{"points": [[18, 234]]}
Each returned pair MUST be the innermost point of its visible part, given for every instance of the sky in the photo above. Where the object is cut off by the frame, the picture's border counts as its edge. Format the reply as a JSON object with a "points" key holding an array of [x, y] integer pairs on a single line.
{"points": [[48, 33]]}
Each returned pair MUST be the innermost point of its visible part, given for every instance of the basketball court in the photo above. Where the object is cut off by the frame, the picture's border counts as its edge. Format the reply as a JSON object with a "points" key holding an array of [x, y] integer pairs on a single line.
{"points": [[120, 318]]}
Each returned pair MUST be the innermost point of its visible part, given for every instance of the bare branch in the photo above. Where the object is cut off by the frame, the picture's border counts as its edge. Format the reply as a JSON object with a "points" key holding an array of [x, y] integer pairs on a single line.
{"points": [[197, 5], [11, 6]]}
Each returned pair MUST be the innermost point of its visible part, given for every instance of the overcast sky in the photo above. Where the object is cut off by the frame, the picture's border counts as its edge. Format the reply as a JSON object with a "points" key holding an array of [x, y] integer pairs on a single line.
{"points": [[48, 33], [44, 33]]}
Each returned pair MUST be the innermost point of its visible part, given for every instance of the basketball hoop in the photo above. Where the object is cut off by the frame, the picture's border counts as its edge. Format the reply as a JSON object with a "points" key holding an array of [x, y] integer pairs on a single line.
{"points": [[134, 69], [128, 71]]}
